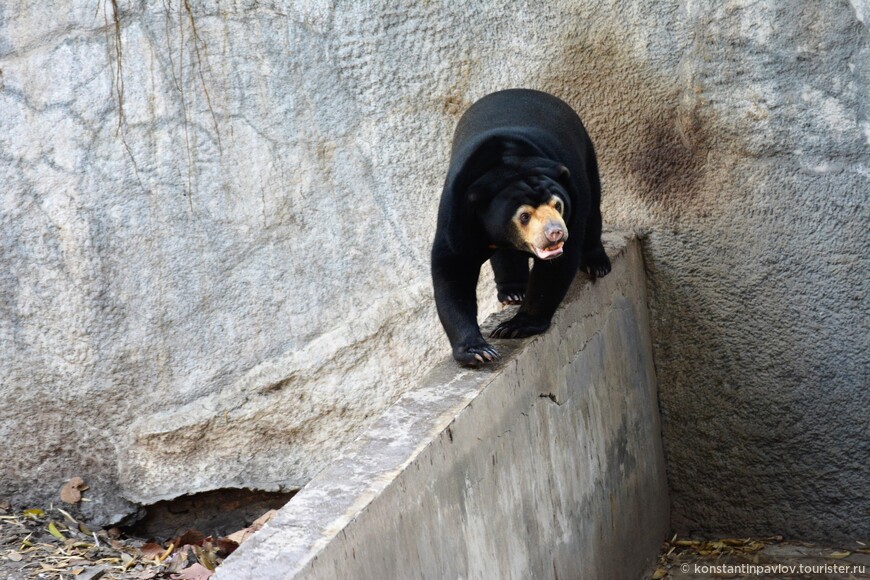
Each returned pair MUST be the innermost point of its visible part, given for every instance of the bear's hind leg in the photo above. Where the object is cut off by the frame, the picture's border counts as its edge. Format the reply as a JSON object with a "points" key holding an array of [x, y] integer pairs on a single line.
{"points": [[511, 269]]}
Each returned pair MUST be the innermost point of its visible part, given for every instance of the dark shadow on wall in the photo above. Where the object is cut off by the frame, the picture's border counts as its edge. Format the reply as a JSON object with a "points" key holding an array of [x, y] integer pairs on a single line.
{"points": [[644, 126], [759, 432]]}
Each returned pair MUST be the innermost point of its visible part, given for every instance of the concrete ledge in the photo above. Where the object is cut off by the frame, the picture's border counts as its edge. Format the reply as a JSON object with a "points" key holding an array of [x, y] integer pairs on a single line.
{"points": [[547, 466]]}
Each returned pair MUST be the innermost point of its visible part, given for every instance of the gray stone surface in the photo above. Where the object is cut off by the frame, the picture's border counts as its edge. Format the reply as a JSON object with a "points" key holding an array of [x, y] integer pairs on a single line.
{"points": [[221, 282], [548, 466]]}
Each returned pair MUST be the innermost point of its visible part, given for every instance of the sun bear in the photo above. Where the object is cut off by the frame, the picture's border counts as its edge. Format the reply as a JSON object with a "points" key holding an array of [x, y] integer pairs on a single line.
{"points": [[523, 182]]}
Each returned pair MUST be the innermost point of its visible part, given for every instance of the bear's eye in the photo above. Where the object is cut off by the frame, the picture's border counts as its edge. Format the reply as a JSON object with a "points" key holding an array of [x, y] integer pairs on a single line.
{"points": [[558, 206], [525, 217]]}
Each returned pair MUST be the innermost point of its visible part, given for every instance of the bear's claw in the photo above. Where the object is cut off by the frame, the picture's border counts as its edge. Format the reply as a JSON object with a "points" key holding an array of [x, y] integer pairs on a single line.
{"points": [[520, 326], [511, 299], [596, 263], [476, 355]]}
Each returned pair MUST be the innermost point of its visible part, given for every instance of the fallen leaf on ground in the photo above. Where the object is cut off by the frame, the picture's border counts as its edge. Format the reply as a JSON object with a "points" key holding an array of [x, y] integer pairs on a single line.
{"points": [[225, 546], [242, 535], [67, 516], [151, 551], [205, 557], [71, 492], [52, 529], [195, 572], [265, 518], [190, 537], [687, 543], [179, 560]]}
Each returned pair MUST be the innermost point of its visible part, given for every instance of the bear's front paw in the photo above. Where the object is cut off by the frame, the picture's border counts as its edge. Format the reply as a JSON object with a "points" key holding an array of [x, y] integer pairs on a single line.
{"points": [[596, 263], [476, 354], [511, 293], [511, 299], [521, 326]]}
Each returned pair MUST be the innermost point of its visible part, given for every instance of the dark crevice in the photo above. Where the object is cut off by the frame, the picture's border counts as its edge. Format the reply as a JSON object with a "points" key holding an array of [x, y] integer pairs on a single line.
{"points": [[552, 397], [216, 513]]}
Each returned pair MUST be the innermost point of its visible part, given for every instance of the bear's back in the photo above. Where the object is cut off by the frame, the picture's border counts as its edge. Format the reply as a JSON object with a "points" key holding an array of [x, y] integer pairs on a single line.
{"points": [[518, 111]]}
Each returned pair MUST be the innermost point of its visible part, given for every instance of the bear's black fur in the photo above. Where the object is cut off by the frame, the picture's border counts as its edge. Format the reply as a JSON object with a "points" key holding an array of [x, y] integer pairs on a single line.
{"points": [[522, 171]]}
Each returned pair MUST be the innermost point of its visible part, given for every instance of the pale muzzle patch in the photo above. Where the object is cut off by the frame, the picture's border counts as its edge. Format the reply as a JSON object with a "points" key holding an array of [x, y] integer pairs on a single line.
{"points": [[541, 229]]}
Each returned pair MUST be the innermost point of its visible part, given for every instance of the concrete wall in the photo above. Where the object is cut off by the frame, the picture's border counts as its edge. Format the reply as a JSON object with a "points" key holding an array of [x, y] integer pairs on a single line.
{"points": [[216, 217], [549, 466]]}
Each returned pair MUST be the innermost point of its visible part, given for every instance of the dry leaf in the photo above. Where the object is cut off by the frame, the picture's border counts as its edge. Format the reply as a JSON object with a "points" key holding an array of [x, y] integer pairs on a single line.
{"points": [[179, 559], [151, 551], [838, 555], [52, 529], [195, 572], [242, 535], [71, 492], [264, 519], [92, 573], [128, 560], [68, 517], [205, 557], [189, 537], [687, 543], [34, 513], [225, 546], [659, 573], [734, 542]]}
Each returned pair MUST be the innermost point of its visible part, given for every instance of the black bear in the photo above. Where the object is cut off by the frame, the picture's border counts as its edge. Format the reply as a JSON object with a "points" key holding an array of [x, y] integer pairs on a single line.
{"points": [[523, 182]]}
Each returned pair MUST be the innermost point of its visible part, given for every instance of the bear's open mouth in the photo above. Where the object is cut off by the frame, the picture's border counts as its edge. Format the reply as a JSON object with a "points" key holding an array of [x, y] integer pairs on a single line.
{"points": [[549, 252]]}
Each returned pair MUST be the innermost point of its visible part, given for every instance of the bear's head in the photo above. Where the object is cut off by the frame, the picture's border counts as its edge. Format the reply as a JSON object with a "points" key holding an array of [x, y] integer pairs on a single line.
{"points": [[524, 205]]}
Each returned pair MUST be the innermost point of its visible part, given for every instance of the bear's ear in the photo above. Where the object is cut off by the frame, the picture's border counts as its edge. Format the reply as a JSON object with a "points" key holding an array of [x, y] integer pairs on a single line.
{"points": [[564, 175]]}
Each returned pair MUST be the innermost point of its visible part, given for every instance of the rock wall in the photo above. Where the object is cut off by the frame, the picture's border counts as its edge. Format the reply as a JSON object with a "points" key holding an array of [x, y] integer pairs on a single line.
{"points": [[216, 220]]}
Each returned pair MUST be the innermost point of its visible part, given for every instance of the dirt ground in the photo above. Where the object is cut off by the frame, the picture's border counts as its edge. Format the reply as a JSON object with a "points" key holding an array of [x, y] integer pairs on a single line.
{"points": [[752, 558], [52, 544]]}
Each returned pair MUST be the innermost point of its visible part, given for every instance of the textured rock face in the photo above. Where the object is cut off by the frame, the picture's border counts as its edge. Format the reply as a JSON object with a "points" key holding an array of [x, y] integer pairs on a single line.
{"points": [[216, 218]]}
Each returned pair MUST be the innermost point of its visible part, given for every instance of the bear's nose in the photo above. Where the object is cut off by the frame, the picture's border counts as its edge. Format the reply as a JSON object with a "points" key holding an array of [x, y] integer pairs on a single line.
{"points": [[554, 233]]}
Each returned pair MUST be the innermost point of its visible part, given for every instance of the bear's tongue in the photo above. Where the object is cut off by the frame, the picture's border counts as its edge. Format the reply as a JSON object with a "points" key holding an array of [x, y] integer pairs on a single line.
{"points": [[549, 252]]}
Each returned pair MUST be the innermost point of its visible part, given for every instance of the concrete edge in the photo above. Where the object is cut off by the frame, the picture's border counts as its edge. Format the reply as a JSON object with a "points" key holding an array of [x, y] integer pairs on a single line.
{"points": [[343, 490]]}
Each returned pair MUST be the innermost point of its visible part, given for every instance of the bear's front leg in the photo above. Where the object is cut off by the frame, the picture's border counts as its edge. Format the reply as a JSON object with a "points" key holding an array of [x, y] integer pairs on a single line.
{"points": [[455, 283], [511, 269], [548, 284], [596, 263]]}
